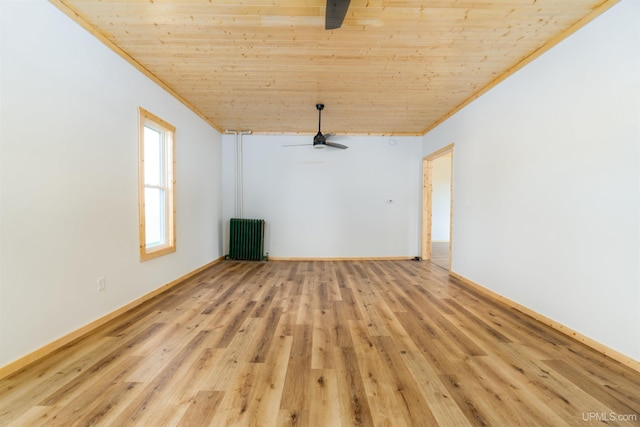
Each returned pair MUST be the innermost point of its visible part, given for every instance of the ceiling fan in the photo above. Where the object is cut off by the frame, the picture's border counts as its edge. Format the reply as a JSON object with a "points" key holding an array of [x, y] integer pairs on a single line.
{"points": [[320, 140], [335, 13]]}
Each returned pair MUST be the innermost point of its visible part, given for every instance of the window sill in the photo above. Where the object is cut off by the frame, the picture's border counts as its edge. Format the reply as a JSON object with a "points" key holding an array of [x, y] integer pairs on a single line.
{"points": [[146, 254]]}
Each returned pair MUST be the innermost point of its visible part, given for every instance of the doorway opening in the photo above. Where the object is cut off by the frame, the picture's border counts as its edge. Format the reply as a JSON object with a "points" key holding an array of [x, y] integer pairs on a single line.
{"points": [[437, 207]]}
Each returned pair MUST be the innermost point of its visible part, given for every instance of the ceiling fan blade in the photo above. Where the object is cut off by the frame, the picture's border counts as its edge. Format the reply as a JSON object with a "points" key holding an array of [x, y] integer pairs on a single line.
{"points": [[336, 145], [336, 11], [295, 145]]}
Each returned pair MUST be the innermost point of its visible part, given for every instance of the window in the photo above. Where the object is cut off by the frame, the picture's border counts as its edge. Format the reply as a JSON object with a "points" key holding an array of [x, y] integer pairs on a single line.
{"points": [[156, 182]]}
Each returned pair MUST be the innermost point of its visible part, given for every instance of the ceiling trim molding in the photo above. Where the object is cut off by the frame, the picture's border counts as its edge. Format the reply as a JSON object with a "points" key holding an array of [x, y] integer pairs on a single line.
{"points": [[597, 11], [62, 6]]}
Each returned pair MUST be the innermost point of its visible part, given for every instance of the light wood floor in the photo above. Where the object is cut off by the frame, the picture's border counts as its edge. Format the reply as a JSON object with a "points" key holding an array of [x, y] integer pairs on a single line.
{"points": [[368, 343], [440, 254]]}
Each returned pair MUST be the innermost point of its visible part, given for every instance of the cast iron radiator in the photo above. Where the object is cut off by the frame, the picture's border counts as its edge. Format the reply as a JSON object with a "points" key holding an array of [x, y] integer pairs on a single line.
{"points": [[246, 239]]}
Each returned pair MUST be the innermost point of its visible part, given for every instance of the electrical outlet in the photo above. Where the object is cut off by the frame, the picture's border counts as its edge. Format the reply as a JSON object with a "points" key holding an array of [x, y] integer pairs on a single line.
{"points": [[101, 284]]}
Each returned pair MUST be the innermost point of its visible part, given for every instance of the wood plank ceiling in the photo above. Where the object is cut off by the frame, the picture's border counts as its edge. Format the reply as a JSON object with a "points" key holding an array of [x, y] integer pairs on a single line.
{"points": [[395, 67]]}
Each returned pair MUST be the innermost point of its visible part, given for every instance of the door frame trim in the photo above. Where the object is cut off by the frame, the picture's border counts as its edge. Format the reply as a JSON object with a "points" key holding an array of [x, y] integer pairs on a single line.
{"points": [[427, 204]]}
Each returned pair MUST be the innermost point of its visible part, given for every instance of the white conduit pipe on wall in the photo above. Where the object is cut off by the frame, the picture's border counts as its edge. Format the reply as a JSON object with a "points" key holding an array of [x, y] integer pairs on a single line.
{"points": [[238, 169], [235, 169], [241, 173]]}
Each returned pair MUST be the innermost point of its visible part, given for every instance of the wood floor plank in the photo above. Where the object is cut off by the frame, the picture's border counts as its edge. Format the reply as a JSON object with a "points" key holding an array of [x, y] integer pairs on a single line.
{"points": [[322, 343], [236, 411], [202, 408], [467, 321], [295, 397], [232, 327], [263, 305], [161, 349], [35, 416], [352, 310], [186, 384], [266, 398], [611, 402], [545, 384], [155, 392], [287, 322], [305, 310], [444, 408], [102, 364], [324, 409], [340, 332], [228, 360], [440, 255], [258, 349], [85, 402], [333, 287], [497, 379], [401, 337], [376, 378], [258, 388], [354, 404], [411, 401], [112, 402], [467, 398], [323, 340], [17, 392]]}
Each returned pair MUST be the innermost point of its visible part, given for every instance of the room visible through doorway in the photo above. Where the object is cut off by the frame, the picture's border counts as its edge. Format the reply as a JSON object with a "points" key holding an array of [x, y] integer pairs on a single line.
{"points": [[438, 207]]}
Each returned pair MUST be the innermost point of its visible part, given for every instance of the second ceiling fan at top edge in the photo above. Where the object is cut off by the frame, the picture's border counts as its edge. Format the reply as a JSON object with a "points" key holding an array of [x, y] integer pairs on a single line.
{"points": [[336, 11]]}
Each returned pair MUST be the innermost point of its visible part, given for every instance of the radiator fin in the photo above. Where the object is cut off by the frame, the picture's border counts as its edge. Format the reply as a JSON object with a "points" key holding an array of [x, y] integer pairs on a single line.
{"points": [[246, 239]]}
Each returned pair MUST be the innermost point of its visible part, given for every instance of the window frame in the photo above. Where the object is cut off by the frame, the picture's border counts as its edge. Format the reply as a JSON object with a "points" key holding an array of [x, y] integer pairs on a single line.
{"points": [[147, 119]]}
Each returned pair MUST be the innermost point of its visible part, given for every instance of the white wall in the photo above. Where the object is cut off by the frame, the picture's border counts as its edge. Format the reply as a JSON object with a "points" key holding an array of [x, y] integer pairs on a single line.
{"points": [[441, 198], [547, 183], [68, 175], [331, 203]]}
